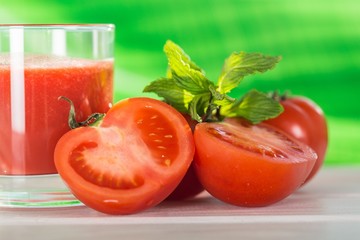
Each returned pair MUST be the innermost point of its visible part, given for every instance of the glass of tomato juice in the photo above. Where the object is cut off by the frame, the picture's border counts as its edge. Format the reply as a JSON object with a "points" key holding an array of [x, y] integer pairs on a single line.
{"points": [[38, 64]]}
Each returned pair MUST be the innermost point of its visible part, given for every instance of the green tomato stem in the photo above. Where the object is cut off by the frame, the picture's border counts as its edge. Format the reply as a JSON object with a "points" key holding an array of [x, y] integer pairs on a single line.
{"points": [[93, 120]]}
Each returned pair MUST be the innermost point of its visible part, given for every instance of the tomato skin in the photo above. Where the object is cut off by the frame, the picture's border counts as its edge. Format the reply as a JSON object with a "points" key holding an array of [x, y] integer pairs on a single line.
{"points": [[189, 187], [117, 168], [238, 175], [304, 119]]}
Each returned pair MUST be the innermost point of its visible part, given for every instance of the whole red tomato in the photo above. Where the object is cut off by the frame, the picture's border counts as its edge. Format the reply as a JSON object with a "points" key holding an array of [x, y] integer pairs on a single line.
{"points": [[249, 165], [304, 119]]}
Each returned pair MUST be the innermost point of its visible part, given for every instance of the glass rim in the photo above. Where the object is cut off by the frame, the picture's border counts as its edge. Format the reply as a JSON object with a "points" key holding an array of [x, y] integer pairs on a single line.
{"points": [[65, 26]]}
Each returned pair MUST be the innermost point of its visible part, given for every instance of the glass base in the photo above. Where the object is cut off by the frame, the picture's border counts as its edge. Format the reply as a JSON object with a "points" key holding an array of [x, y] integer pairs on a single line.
{"points": [[39, 191]]}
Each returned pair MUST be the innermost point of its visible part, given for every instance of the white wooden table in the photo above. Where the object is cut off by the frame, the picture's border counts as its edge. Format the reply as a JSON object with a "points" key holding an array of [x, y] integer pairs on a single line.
{"points": [[326, 208]]}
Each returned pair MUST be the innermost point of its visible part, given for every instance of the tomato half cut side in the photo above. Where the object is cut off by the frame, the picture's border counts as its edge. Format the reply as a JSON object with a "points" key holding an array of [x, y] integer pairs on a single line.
{"points": [[132, 161], [249, 165]]}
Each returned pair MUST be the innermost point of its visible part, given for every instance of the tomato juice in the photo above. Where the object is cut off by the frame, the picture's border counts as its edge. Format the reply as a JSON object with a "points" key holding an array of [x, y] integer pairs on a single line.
{"points": [[32, 119]]}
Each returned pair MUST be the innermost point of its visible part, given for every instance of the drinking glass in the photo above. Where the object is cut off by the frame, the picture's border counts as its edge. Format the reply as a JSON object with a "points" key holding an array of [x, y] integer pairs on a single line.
{"points": [[38, 64]]}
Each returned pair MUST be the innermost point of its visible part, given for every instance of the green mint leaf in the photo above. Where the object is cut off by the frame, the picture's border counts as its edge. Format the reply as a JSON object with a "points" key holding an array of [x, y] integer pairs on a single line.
{"points": [[168, 72], [225, 104], [198, 106], [216, 94], [173, 95], [241, 64], [187, 74], [173, 49], [253, 106]]}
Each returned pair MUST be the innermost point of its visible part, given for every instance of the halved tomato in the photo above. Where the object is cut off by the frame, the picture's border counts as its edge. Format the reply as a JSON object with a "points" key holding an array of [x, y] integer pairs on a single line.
{"points": [[249, 165], [132, 161]]}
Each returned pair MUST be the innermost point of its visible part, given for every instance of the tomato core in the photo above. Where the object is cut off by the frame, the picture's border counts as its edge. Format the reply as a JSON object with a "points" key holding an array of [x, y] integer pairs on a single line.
{"points": [[93, 174]]}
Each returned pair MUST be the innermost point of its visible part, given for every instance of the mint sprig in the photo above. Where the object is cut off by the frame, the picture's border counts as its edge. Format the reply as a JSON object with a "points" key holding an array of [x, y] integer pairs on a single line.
{"points": [[188, 90]]}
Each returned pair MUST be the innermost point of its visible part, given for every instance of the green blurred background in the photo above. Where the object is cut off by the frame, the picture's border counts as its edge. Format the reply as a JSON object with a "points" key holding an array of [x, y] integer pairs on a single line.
{"points": [[318, 40]]}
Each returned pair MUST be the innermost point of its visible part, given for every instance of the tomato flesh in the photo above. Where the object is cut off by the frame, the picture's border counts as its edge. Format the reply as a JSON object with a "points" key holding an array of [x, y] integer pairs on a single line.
{"points": [[132, 161], [249, 165], [162, 138]]}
